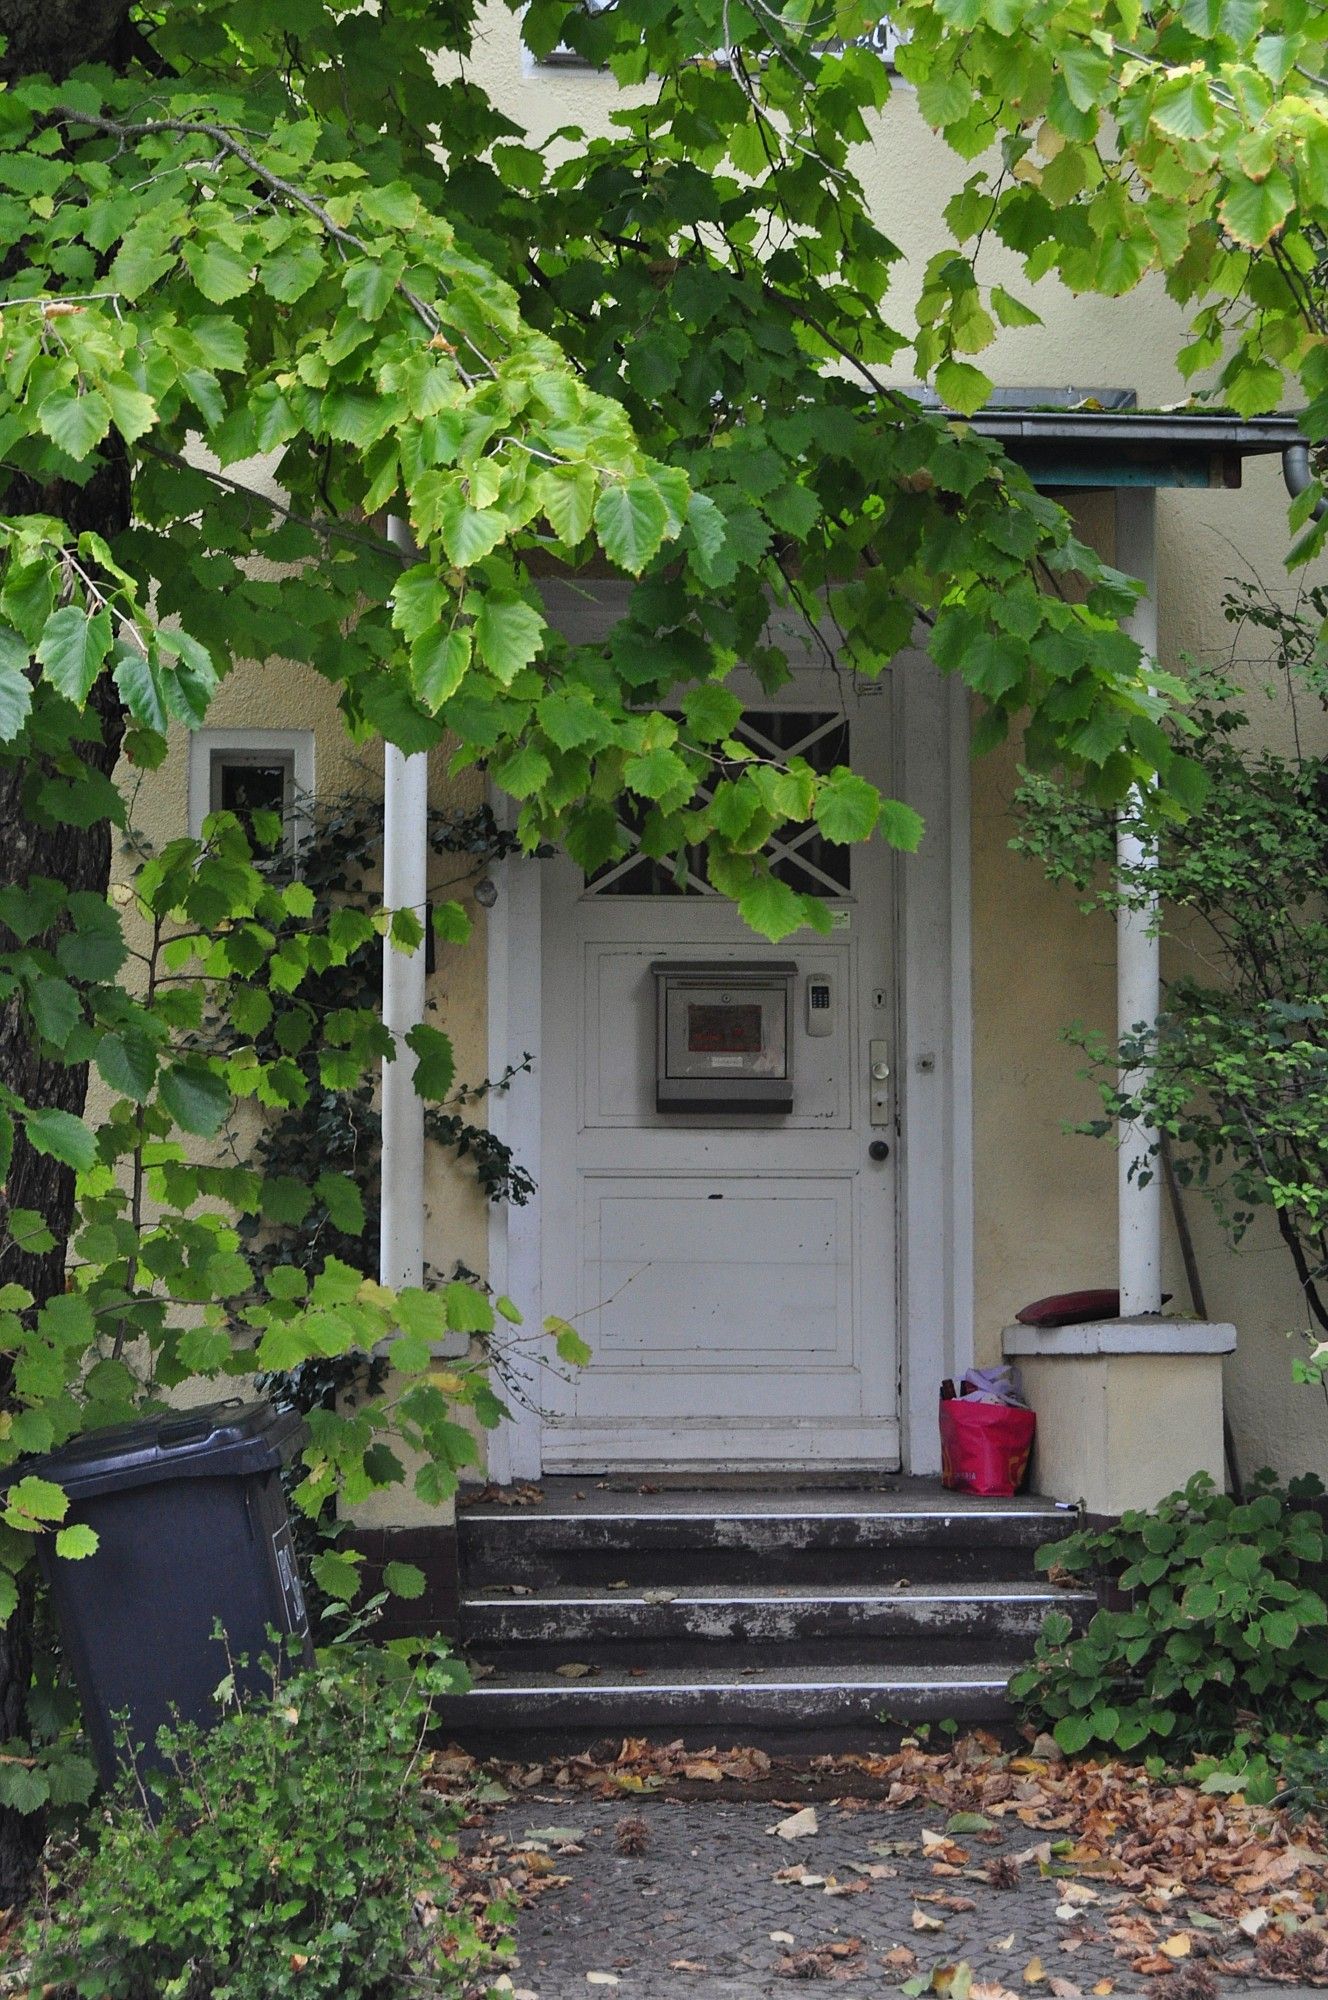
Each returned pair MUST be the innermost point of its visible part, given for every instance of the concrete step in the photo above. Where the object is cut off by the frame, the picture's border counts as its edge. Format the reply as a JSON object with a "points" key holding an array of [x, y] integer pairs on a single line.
{"points": [[789, 1623], [751, 1704], [790, 1538]]}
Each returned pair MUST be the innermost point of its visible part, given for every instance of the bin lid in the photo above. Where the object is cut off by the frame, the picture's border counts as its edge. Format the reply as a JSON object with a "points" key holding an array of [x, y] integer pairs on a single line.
{"points": [[212, 1441]]}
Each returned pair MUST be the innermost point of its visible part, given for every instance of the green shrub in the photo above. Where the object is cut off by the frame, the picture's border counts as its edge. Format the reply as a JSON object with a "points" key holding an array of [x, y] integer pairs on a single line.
{"points": [[292, 1850], [1224, 1628]]}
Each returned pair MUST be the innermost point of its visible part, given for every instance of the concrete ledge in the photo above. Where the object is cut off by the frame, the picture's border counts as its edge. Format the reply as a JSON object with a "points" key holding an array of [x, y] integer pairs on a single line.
{"points": [[1121, 1336], [1127, 1410]]}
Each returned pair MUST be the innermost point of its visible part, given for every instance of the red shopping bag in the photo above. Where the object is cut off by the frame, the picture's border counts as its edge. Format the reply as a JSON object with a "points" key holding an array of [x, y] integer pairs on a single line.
{"points": [[985, 1447]]}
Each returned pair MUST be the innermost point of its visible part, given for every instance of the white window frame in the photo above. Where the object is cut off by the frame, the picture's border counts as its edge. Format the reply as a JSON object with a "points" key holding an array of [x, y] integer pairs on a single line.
{"points": [[208, 747]]}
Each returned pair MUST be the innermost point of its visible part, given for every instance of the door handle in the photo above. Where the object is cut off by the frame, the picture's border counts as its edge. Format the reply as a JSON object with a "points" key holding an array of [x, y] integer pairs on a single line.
{"points": [[878, 1150]]}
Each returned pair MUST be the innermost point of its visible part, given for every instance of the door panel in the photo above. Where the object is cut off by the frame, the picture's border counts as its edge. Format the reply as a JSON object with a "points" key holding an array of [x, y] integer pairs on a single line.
{"points": [[734, 1274], [690, 1267]]}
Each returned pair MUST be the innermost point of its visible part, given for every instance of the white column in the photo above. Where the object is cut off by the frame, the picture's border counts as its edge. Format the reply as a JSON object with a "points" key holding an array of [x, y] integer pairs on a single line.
{"points": [[1138, 953], [405, 886]]}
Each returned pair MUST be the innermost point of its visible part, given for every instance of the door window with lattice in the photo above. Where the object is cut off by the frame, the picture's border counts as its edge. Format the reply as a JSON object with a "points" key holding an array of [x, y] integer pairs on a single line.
{"points": [[799, 856]]}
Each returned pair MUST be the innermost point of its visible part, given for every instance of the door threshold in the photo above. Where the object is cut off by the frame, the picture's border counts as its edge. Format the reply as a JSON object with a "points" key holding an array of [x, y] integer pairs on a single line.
{"points": [[764, 1479]]}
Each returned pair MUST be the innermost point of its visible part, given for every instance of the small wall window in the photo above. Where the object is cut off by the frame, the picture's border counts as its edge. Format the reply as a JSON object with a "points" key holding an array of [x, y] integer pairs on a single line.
{"points": [[252, 770]]}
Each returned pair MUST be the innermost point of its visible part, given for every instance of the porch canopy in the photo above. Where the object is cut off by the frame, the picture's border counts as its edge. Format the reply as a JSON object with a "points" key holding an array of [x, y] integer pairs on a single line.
{"points": [[1069, 440], [1098, 440]]}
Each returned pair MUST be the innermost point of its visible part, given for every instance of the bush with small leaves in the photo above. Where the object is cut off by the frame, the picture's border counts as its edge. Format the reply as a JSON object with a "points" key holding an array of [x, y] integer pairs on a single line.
{"points": [[295, 1849], [1224, 1622]]}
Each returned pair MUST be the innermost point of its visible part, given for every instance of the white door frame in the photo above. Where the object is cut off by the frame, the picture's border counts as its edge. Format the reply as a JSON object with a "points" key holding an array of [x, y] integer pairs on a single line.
{"points": [[933, 1067]]}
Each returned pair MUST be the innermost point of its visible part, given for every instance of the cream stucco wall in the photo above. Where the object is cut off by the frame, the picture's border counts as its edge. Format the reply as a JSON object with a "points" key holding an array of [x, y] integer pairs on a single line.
{"points": [[1045, 1200], [286, 695], [1045, 1204]]}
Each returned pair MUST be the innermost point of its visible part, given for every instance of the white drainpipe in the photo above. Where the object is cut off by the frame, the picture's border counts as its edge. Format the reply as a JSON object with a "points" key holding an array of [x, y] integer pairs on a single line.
{"points": [[405, 886], [1138, 949]]}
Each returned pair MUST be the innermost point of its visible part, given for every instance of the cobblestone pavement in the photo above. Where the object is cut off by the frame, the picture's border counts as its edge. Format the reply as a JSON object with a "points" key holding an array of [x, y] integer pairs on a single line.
{"points": [[700, 1913]]}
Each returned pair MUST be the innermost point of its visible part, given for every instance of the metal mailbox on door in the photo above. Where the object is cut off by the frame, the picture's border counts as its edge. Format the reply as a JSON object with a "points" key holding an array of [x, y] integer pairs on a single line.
{"points": [[724, 1040]]}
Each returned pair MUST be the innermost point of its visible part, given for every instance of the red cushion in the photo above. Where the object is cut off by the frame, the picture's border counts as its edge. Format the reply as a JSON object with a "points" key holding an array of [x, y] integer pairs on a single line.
{"points": [[1072, 1308], [1069, 1308]]}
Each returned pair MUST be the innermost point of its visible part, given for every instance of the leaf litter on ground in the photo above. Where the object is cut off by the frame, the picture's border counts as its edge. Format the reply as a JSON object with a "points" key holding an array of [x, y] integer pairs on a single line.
{"points": [[1184, 1880]]}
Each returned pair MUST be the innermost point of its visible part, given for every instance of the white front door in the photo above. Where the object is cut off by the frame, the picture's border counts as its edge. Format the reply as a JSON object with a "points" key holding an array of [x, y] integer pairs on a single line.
{"points": [[733, 1272]]}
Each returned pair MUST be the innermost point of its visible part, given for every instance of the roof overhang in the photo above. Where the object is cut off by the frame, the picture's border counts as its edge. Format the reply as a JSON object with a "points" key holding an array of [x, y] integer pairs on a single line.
{"points": [[1094, 440]]}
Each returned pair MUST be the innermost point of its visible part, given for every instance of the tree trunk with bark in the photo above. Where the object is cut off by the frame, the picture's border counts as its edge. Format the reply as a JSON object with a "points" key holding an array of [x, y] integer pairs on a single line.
{"points": [[80, 859], [51, 37]]}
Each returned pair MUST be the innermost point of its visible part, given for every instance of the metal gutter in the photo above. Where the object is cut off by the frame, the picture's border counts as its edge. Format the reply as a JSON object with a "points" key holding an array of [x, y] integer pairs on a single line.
{"points": [[1196, 430]]}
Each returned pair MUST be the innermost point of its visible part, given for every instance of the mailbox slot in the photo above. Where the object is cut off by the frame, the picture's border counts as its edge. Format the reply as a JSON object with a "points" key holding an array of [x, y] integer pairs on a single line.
{"points": [[723, 1035]]}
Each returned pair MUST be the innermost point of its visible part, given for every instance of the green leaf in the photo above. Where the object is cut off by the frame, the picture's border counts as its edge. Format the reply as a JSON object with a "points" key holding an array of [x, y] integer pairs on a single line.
{"points": [[15, 687], [469, 533], [902, 826], [33, 1500], [632, 521], [139, 682], [1086, 72], [95, 948], [285, 1282], [569, 1345], [1183, 106], [1073, 1733], [525, 772], [62, 1137], [450, 923], [945, 97], [343, 1202], [712, 712], [438, 664], [21, 1789], [770, 907], [420, 602], [657, 773], [1280, 1629], [75, 1542], [404, 1579], [290, 271], [218, 271], [509, 633], [337, 1573], [962, 387], [847, 807], [72, 647], [55, 1009], [435, 1064], [75, 423], [128, 1064], [567, 494], [1254, 211], [197, 1098], [1011, 311], [369, 286], [132, 412], [71, 1780], [468, 1309]]}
